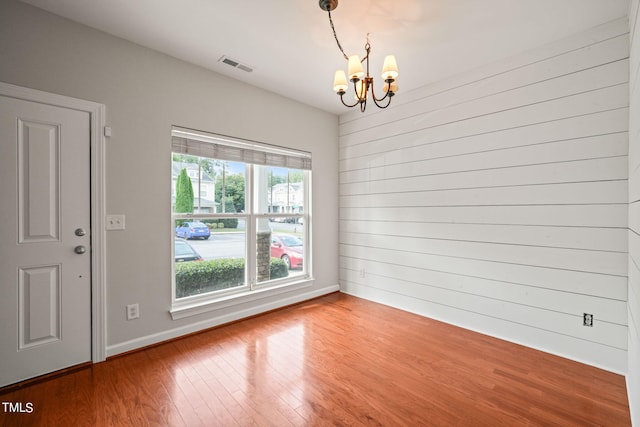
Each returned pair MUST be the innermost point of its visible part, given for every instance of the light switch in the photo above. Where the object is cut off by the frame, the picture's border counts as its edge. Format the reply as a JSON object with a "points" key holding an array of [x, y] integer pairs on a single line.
{"points": [[115, 222]]}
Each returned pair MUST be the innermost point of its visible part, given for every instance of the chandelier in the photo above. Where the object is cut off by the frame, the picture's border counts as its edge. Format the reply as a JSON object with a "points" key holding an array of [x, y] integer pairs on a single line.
{"points": [[362, 83]]}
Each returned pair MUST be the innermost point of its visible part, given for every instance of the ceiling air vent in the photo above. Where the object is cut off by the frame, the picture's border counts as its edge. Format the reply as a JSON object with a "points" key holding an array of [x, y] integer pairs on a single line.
{"points": [[235, 64]]}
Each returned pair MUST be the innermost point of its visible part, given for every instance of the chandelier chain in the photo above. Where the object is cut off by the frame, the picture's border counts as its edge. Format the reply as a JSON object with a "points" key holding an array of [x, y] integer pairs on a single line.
{"points": [[335, 36]]}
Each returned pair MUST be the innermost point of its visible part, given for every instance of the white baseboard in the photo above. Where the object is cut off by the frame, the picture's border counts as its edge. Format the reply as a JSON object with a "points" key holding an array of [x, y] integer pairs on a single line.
{"points": [[159, 337], [634, 410]]}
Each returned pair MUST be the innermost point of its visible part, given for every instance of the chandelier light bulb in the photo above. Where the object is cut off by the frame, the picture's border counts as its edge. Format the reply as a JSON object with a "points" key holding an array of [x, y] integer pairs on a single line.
{"points": [[361, 90], [340, 82], [390, 68], [355, 67], [393, 87]]}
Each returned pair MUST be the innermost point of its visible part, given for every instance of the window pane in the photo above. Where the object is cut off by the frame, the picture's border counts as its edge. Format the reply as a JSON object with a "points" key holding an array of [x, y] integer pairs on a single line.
{"points": [[279, 190], [280, 248], [202, 185], [230, 186], [209, 255], [185, 183]]}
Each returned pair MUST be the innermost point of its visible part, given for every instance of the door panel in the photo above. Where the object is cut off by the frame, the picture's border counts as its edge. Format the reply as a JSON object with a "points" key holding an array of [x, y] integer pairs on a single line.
{"points": [[38, 183], [39, 307], [45, 286]]}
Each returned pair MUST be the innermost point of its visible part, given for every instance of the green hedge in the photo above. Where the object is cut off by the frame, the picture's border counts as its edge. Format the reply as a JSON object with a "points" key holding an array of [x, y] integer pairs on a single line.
{"points": [[228, 222], [278, 268], [194, 278]]}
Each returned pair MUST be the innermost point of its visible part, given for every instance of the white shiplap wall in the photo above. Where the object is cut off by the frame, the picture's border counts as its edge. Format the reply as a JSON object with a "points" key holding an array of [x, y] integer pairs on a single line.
{"points": [[633, 375], [497, 200]]}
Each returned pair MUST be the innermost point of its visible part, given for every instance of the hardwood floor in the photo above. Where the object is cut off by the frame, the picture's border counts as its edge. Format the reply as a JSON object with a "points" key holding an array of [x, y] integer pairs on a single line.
{"points": [[336, 360]]}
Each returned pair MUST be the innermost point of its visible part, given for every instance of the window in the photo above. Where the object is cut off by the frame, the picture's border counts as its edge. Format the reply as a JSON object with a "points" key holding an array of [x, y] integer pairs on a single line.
{"points": [[240, 211]]}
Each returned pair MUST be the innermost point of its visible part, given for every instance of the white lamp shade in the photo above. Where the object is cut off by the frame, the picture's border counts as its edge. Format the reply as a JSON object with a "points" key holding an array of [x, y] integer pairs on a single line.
{"points": [[340, 81], [355, 67], [390, 68]]}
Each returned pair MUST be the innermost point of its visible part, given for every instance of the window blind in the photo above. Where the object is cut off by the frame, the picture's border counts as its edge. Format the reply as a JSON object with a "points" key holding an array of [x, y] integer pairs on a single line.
{"points": [[198, 143]]}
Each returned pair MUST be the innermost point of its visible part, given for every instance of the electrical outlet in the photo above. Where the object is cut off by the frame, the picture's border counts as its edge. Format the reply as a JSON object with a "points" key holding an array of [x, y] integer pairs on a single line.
{"points": [[587, 320], [133, 311], [115, 222]]}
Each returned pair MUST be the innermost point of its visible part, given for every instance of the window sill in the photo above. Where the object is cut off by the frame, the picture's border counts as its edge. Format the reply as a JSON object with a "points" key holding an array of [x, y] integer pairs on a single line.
{"points": [[188, 309]]}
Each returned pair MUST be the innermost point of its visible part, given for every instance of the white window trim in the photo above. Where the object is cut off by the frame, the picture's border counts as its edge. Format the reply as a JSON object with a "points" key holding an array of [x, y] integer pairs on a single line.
{"points": [[250, 291], [183, 309]]}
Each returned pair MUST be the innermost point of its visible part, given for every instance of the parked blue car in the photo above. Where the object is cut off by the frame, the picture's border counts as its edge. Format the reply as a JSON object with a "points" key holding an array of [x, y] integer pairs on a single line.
{"points": [[193, 230]]}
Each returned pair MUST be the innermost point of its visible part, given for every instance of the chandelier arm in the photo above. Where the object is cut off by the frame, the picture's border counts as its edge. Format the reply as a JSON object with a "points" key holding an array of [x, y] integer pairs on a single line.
{"points": [[386, 95], [347, 105], [335, 36], [382, 99], [378, 101]]}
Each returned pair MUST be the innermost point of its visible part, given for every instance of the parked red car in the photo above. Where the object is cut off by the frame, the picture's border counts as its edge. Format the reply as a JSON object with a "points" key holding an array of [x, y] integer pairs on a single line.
{"points": [[288, 248]]}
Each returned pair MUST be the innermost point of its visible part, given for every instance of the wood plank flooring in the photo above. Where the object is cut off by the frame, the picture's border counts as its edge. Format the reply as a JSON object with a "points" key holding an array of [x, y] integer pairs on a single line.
{"points": [[335, 360]]}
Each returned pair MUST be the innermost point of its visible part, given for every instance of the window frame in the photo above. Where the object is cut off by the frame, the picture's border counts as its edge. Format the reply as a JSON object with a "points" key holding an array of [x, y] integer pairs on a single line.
{"points": [[251, 290]]}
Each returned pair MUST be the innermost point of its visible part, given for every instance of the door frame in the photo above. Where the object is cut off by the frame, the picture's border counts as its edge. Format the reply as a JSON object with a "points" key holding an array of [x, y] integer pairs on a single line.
{"points": [[98, 237]]}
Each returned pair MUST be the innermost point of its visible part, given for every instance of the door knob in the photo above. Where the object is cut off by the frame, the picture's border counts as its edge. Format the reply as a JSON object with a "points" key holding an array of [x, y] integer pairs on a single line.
{"points": [[80, 250], [80, 232]]}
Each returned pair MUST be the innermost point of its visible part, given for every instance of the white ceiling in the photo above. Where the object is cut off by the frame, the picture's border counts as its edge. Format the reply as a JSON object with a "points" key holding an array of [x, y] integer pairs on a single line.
{"points": [[291, 47]]}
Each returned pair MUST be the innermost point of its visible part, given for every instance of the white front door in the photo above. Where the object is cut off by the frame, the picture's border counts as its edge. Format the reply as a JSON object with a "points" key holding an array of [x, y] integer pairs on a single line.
{"points": [[45, 239]]}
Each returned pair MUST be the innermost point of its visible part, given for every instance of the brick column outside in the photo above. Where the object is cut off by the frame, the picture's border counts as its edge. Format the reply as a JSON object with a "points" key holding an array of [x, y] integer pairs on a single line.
{"points": [[263, 255]]}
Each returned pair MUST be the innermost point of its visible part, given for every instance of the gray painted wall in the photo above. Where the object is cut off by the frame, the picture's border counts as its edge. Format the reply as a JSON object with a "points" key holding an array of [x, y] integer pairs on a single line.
{"points": [[497, 200], [145, 93]]}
